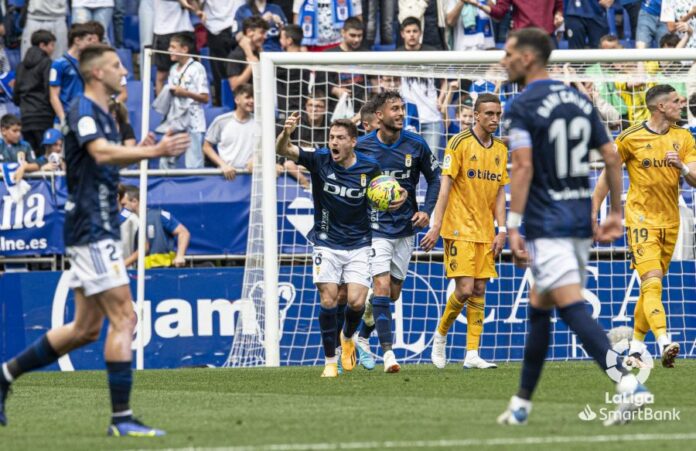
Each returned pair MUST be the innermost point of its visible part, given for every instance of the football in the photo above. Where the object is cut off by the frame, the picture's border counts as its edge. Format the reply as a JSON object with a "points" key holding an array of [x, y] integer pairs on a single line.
{"points": [[382, 191]]}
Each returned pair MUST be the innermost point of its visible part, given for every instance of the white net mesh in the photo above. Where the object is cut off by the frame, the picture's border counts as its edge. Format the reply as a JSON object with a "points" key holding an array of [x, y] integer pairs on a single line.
{"points": [[438, 100]]}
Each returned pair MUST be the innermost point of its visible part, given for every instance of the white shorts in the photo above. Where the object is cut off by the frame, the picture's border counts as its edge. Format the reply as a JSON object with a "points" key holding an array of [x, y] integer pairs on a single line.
{"points": [[557, 262], [342, 266], [392, 255], [97, 267]]}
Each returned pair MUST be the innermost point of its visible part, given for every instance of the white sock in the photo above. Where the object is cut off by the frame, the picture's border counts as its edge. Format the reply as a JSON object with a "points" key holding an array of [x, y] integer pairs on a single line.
{"points": [[364, 341], [333, 359], [663, 340], [6, 373], [472, 354], [637, 346], [438, 336]]}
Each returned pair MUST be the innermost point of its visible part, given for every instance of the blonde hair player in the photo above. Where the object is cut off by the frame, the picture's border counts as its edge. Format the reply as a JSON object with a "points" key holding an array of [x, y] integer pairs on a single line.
{"points": [[474, 162], [656, 153]]}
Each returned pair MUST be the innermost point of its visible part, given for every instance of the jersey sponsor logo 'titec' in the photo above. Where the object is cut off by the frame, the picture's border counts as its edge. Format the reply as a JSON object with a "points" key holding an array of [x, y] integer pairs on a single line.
{"points": [[484, 175]]}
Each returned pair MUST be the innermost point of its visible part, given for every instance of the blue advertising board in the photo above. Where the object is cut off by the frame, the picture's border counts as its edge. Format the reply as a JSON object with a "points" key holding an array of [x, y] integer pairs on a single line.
{"points": [[193, 316]]}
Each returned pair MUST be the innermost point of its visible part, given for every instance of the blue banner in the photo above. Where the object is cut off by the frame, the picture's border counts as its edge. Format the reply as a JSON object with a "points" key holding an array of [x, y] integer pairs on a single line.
{"points": [[193, 316], [215, 211]]}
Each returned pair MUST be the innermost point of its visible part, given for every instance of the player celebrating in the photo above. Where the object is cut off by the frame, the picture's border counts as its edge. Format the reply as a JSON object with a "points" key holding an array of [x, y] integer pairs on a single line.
{"points": [[341, 234], [656, 153], [475, 169], [560, 126], [92, 236], [404, 156]]}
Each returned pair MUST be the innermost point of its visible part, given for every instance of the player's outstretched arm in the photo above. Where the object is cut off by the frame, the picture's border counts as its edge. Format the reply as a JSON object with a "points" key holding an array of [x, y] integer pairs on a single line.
{"points": [[611, 177], [430, 238], [105, 152], [284, 147]]}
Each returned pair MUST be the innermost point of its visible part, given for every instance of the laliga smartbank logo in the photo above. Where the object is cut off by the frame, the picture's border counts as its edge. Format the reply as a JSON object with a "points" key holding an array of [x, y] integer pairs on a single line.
{"points": [[624, 407]]}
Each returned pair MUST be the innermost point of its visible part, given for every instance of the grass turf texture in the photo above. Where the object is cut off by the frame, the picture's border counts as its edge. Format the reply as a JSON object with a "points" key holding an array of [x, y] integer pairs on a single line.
{"points": [[237, 407]]}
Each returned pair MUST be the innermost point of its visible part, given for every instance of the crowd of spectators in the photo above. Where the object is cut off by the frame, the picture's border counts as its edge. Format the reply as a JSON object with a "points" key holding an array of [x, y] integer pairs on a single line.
{"points": [[52, 33]]}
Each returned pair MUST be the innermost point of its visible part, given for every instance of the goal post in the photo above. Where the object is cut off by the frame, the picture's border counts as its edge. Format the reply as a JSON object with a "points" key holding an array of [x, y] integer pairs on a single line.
{"points": [[283, 269]]}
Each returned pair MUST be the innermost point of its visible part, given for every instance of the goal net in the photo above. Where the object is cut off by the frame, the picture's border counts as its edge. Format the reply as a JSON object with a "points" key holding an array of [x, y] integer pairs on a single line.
{"points": [[439, 89]]}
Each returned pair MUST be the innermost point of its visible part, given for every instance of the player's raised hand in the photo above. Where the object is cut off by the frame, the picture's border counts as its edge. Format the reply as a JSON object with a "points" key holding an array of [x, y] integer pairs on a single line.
{"points": [[519, 248], [396, 204], [610, 229], [420, 219], [498, 243], [173, 145], [430, 239], [291, 123], [674, 160]]}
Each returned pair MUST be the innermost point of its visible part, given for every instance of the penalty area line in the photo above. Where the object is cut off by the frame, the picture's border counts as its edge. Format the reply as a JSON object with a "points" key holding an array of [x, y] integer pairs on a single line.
{"points": [[453, 443]]}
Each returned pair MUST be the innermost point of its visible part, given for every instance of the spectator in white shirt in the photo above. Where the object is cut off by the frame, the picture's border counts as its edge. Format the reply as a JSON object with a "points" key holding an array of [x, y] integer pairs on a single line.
{"points": [[235, 134], [188, 85]]}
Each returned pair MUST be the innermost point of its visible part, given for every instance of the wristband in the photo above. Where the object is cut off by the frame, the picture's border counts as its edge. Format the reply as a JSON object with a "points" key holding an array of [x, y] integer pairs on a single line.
{"points": [[502, 229], [514, 220], [685, 170]]}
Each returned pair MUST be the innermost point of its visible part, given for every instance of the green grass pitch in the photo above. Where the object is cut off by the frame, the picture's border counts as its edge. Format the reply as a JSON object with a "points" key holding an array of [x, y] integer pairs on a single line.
{"points": [[419, 408]]}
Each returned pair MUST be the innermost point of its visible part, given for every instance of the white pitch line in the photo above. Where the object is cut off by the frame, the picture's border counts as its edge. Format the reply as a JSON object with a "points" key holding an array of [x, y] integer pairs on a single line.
{"points": [[455, 443]]}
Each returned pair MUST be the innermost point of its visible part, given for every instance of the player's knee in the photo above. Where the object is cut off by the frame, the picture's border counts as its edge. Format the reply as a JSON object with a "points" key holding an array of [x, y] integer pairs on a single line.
{"points": [[478, 291], [87, 334], [464, 292], [381, 286]]}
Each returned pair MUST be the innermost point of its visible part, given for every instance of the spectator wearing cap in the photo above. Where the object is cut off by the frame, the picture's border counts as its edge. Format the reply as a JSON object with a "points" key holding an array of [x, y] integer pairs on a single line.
{"points": [[31, 90], [51, 158]]}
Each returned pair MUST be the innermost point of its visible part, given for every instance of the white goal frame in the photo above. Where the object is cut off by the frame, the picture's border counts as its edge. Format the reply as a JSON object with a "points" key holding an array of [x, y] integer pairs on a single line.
{"points": [[269, 62]]}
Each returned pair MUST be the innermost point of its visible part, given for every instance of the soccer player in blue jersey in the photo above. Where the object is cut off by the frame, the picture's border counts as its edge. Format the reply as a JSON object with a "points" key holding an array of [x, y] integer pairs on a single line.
{"points": [[558, 126], [97, 273], [405, 156], [341, 234]]}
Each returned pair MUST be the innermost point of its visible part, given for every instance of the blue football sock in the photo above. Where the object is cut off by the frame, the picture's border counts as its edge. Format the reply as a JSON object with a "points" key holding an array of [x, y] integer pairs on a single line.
{"points": [[120, 377], [353, 318], [327, 326], [366, 331], [591, 334], [340, 320], [535, 348], [38, 355], [381, 309]]}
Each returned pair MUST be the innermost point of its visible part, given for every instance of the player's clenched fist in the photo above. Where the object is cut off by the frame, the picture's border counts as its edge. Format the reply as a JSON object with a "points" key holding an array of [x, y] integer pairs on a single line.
{"points": [[609, 230]]}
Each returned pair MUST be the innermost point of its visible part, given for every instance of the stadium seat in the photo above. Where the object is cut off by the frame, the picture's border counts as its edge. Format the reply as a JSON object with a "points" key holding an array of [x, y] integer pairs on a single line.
{"points": [[205, 51], [213, 112], [126, 57], [131, 32], [227, 94], [384, 48]]}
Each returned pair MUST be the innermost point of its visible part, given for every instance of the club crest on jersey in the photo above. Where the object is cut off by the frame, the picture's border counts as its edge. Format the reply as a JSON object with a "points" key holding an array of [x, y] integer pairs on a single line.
{"points": [[408, 160], [497, 160], [363, 179], [676, 146]]}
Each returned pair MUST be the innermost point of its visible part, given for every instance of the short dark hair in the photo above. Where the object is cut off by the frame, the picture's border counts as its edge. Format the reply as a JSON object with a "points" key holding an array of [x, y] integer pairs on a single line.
{"points": [[411, 21], [42, 37], [294, 32], [486, 97], [353, 23], [253, 22], [692, 104], [185, 40], [10, 120], [97, 28], [244, 88], [90, 53], [608, 38], [383, 97], [348, 125], [535, 39], [368, 109], [655, 92], [79, 30], [669, 40]]}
